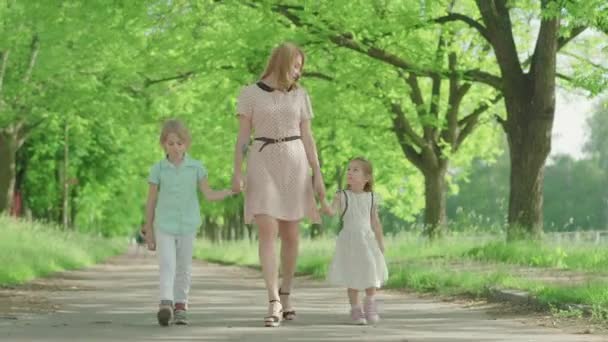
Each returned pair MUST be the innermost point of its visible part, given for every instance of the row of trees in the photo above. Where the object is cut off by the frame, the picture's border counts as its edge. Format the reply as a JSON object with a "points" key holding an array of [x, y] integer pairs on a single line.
{"points": [[418, 86]]}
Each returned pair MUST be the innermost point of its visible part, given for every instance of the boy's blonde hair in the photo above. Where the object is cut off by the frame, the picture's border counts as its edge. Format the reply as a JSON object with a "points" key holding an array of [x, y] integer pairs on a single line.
{"points": [[368, 169], [281, 62], [176, 127]]}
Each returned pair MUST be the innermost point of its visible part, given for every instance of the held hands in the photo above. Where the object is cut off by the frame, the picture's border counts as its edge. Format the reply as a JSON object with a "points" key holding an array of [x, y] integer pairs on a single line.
{"points": [[319, 185], [226, 193], [237, 184], [326, 208]]}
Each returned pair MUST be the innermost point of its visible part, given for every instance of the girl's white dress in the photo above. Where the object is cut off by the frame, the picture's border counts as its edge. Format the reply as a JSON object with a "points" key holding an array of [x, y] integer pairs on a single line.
{"points": [[358, 262]]}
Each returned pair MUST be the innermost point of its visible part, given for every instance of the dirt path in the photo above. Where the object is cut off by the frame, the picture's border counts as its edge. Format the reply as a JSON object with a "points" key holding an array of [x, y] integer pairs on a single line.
{"points": [[116, 301]]}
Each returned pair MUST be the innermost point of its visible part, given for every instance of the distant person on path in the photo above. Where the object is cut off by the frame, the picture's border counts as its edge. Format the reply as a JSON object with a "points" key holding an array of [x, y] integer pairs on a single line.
{"points": [[279, 192], [358, 263], [173, 217]]}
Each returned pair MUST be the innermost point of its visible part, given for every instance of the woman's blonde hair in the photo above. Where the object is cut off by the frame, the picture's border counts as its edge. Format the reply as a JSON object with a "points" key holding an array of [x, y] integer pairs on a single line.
{"points": [[281, 63], [368, 170], [176, 127]]}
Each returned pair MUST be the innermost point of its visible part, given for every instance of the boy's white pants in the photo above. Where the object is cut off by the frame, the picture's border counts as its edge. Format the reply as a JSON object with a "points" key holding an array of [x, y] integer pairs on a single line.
{"points": [[175, 265]]}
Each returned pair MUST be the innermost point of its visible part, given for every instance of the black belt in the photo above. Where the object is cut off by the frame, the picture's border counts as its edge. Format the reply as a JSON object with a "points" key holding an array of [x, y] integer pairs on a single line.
{"points": [[268, 141]]}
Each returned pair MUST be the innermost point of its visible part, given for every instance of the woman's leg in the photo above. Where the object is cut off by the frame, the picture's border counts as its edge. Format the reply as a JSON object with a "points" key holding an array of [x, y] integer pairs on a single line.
{"points": [[267, 234], [289, 233]]}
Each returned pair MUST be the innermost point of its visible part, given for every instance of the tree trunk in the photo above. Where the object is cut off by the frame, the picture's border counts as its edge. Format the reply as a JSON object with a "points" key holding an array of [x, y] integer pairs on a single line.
{"points": [[233, 229], [435, 201], [73, 207], [21, 166], [250, 233], [209, 229], [530, 103], [529, 137], [239, 226], [8, 152], [65, 213], [223, 232]]}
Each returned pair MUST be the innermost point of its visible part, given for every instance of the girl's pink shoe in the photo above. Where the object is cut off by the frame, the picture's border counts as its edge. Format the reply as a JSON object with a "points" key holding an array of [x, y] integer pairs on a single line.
{"points": [[357, 316], [371, 311]]}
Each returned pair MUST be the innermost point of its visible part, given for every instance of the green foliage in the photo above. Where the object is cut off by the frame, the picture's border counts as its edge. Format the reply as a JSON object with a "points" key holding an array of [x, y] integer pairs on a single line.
{"points": [[113, 73], [487, 179], [34, 249], [576, 195], [597, 125]]}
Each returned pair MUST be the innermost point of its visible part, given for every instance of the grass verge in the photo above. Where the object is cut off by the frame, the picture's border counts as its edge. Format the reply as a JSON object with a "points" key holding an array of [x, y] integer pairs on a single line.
{"points": [[31, 249], [456, 265]]}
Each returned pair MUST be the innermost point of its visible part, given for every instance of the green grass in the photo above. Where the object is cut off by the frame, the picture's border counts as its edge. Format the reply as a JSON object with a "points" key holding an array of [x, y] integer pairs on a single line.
{"points": [[243, 253], [314, 255], [451, 265], [574, 256], [30, 249]]}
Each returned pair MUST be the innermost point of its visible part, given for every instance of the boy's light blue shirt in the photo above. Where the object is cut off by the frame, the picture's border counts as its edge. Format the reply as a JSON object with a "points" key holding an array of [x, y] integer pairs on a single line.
{"points": [[177, 208]]}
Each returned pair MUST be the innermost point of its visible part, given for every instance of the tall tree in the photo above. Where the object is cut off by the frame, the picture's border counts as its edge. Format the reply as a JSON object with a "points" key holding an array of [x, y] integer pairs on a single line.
{"points": [[46, 48], [528, 87], [526, 81], [424, 91]]}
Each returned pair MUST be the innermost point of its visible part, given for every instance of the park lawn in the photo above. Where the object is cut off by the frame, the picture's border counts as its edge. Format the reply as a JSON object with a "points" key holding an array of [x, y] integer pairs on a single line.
{"points": [[30, 250], [456, 265]]}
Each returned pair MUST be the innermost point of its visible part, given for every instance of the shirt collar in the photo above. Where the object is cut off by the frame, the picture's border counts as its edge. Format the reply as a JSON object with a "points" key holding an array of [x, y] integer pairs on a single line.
{"points": [[186, 162]]}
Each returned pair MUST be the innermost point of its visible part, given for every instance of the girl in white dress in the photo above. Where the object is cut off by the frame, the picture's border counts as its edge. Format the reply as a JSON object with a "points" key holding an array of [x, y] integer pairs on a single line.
{"points": [[358, 262]]}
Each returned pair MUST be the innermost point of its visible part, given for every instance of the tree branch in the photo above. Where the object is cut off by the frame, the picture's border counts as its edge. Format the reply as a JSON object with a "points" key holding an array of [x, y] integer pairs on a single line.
{"points": [[317, 74], [467, 20], [403, 128], [148, 82], [285, 11], [564, 77], [27, 129], [412, 155], [436, 79], [34, 48], [417, 99], [497, 20], [4, 58], [544, 61], [470, 121], [346, 40], [502, 122], [456, 94], [406, 135], [415, 92], [477, 75], [185, 75], [562, 41], [584, 60]]}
